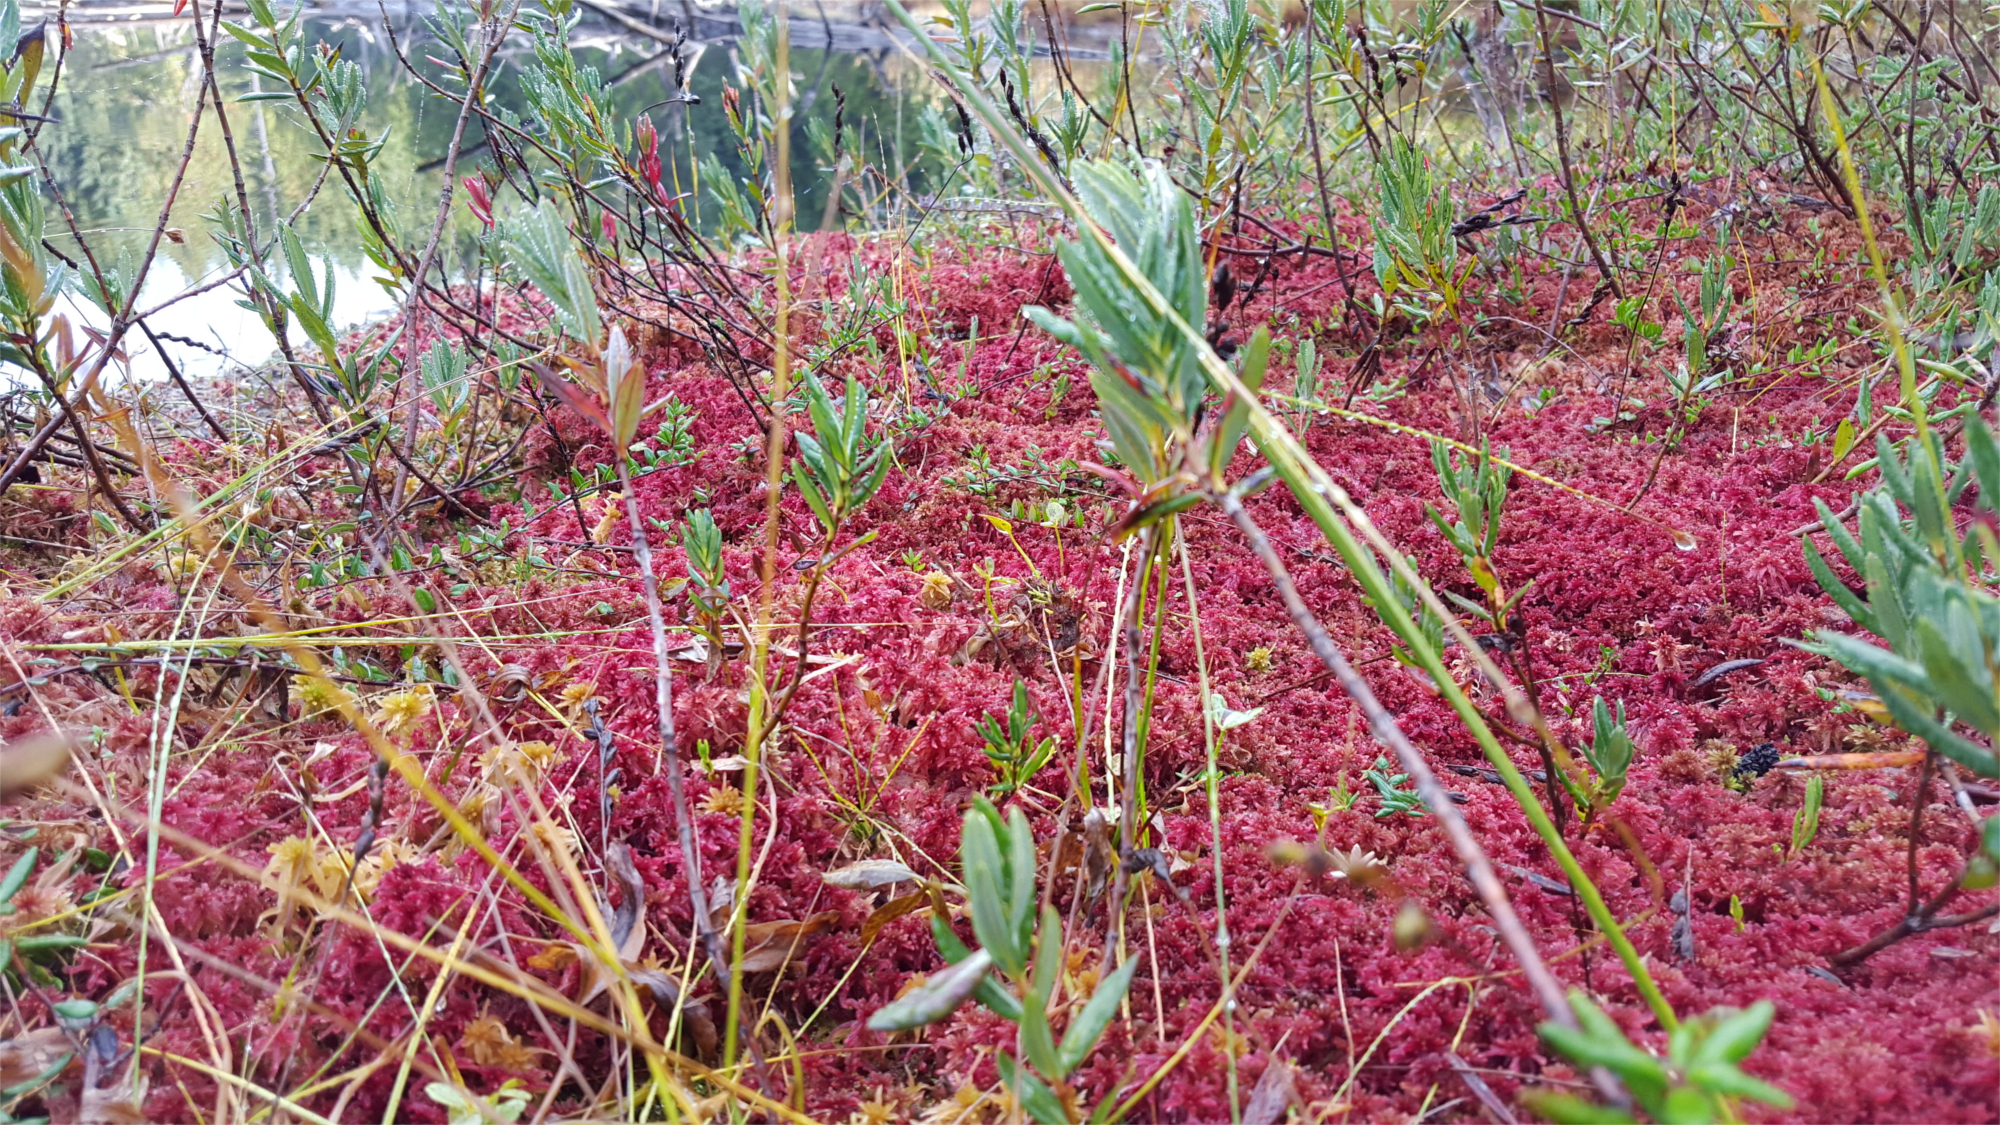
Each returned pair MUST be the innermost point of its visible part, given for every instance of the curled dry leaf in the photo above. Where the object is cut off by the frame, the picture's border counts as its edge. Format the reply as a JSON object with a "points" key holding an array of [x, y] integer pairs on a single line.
{"points": [[628, 927], [666, 994], [1543, 881], [510, 684], [628, 922], [32, 1054], [32, 761], [554, 957], [1098, 854], [1723, 669], [1274, 1093], [695, 651], [768, 945], [869, 873], [890, 911], [1154, 861]]}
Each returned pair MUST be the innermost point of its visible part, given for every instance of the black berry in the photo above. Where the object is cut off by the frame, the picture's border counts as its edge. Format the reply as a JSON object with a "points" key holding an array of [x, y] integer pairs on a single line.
{"points": [[1757, 761]]}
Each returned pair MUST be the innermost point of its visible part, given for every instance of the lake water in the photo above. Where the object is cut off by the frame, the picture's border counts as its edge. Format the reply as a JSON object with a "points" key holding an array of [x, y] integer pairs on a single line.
{"points": [[123, 110]]}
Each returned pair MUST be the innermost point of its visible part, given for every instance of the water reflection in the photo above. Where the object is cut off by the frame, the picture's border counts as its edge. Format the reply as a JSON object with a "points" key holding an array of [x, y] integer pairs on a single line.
{"points": [[123, 110]]}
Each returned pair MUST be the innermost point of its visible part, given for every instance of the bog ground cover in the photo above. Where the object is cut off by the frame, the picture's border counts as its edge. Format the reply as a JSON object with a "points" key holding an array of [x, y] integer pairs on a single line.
{"points": [[1229, 561]]}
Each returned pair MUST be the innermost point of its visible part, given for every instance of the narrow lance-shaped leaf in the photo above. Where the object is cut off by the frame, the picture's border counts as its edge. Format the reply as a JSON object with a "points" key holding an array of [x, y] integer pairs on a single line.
{"points": [[1088, 1026], [986, 892], [1037, 1039], [1021, 869], [934, 999], [815, 499], [17, 875], [1843, 597], [1236, 420], [989, 991], [1034, 1095], [625, 384]]}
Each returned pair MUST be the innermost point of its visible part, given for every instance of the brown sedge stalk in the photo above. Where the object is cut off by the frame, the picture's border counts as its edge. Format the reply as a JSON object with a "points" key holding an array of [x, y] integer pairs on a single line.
{"points": [[760, 720]]}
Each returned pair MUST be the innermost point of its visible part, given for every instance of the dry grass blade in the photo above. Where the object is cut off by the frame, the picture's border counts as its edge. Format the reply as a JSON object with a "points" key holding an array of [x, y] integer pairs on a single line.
{"points": [[495, 974]]}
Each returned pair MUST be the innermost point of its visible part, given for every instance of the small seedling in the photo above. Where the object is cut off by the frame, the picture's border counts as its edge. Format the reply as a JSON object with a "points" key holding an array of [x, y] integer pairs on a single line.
{"points": [[1477, 491], [1305, 385], [1340, 796], [503, 1105], [999, 862], [708, 581], [839, 467], [1225, 717], [1610, 756], [1395, 798], [1338, 799], [1016, 758], [1805, 822]]}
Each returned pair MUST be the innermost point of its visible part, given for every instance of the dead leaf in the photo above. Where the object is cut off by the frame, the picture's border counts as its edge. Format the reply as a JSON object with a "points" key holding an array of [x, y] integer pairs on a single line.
{"points": [[32, 1054], [1068, 851], [1098, 854], [510, 684], [628, 928], [1273, 1094], [890, 911], [1494, 1106], [109, 1106], [628, 923], [870, 873], [695, 651], [721, 901], [769, 945], [666, 993], [554, 957]]}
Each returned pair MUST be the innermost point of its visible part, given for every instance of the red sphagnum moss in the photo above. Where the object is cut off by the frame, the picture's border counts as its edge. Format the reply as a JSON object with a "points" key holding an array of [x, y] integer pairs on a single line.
{"points": [[879, 753]]}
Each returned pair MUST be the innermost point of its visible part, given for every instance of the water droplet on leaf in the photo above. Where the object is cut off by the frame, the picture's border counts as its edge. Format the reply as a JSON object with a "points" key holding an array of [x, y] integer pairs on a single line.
{"points": [[1684, 541]]}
